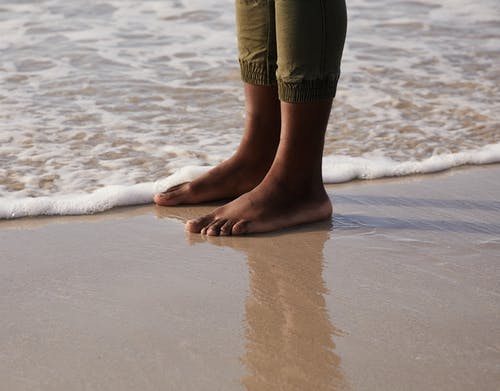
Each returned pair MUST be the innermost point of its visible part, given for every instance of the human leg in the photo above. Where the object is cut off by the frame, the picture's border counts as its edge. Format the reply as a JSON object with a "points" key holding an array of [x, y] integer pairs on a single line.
{"points": [[250, 163], [292, 191], [310, 37], [253, 158]]}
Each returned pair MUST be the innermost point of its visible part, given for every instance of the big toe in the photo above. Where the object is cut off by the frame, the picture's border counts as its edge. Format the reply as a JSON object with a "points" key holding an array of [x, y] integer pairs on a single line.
{"points": [[170, 197], [159, 198], [196, 225]]}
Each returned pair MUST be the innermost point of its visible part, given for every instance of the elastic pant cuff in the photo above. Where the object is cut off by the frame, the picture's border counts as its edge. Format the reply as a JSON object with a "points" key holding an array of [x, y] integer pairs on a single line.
{"points": [[258, 73], [308, 90]]}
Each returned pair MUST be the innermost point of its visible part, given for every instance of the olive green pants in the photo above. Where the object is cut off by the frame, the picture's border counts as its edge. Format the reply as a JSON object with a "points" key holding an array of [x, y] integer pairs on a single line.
{"points": [[296, 44]]}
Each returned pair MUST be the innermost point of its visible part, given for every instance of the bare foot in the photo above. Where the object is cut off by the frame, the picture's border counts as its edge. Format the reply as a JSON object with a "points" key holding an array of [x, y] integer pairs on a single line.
{"points": [[242, 172], [292, 192], [272, 205], [230, 179]]}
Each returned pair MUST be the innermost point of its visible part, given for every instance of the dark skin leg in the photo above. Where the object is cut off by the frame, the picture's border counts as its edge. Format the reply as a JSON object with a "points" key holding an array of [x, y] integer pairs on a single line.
{"points": [[292, 191], [248, 166]]}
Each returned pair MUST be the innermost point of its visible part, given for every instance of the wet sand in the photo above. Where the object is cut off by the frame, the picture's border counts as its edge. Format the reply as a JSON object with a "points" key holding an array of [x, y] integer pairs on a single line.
{"points": [[400, 292]]}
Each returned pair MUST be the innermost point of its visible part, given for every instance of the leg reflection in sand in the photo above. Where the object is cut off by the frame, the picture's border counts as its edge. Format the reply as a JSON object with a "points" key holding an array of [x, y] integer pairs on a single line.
{"points": [[289, 342]]}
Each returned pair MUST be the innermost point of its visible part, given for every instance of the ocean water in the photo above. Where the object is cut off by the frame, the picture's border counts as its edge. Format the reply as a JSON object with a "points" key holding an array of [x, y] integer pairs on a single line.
{"points": [[102, 103]]}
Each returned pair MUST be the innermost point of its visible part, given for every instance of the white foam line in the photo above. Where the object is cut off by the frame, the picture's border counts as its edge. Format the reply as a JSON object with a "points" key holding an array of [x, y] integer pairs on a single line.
{"points": [[336, 169], [78, 204], [98, 201]]}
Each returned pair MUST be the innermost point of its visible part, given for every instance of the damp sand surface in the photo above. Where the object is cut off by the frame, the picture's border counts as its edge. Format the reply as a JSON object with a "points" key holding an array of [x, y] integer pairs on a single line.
{"points": [[400, 291]]}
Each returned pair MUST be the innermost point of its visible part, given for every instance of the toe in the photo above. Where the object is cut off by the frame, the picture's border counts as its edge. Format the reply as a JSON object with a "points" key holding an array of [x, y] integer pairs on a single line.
{"points": [[172, 196], [195, 226], [157, 198], [240, 228], [225, 230], [168, 198], [214, 228], [204, 230]]}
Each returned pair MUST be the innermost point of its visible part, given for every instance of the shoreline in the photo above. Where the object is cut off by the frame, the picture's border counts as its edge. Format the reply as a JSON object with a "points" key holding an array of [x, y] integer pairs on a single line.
{"points": [[133, 210], [399, 291]]}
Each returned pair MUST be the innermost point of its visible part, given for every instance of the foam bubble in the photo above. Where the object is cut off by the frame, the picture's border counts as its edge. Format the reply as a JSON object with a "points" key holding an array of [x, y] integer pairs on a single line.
{"points": [[98, 201], [336, 169]]}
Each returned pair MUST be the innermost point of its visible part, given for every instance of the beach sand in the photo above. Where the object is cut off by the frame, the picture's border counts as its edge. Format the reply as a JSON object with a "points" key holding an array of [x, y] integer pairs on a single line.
{"points": [[400, 292]]}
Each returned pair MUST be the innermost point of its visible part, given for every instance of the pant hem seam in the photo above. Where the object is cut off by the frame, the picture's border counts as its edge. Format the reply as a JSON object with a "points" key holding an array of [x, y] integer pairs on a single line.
{"points": [[308, 90], [257, 73]]}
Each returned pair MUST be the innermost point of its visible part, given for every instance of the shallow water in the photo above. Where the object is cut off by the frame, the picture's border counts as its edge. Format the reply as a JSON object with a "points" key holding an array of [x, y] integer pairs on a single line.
{"points": [[127, 92]]}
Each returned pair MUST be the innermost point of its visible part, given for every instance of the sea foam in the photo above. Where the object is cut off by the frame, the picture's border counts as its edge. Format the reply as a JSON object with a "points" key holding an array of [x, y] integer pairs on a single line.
{"points": [[336, 169]]}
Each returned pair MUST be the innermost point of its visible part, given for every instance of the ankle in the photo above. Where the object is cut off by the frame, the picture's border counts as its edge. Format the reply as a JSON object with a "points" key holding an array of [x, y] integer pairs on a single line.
{"points": [[300, 184], [251, 165]]}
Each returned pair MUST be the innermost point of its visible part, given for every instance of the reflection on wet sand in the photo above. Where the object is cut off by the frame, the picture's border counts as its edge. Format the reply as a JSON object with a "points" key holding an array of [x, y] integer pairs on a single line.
{"points": [[289, 342]]}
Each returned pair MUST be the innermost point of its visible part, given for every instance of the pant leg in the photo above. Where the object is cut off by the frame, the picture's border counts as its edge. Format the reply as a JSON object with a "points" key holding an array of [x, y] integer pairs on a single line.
{"points": [[255, 23], [310, 37]]}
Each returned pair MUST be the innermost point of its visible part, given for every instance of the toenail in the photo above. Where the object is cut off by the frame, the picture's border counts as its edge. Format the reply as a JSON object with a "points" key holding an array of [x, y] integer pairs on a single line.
{"points": [[240, 227]]}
